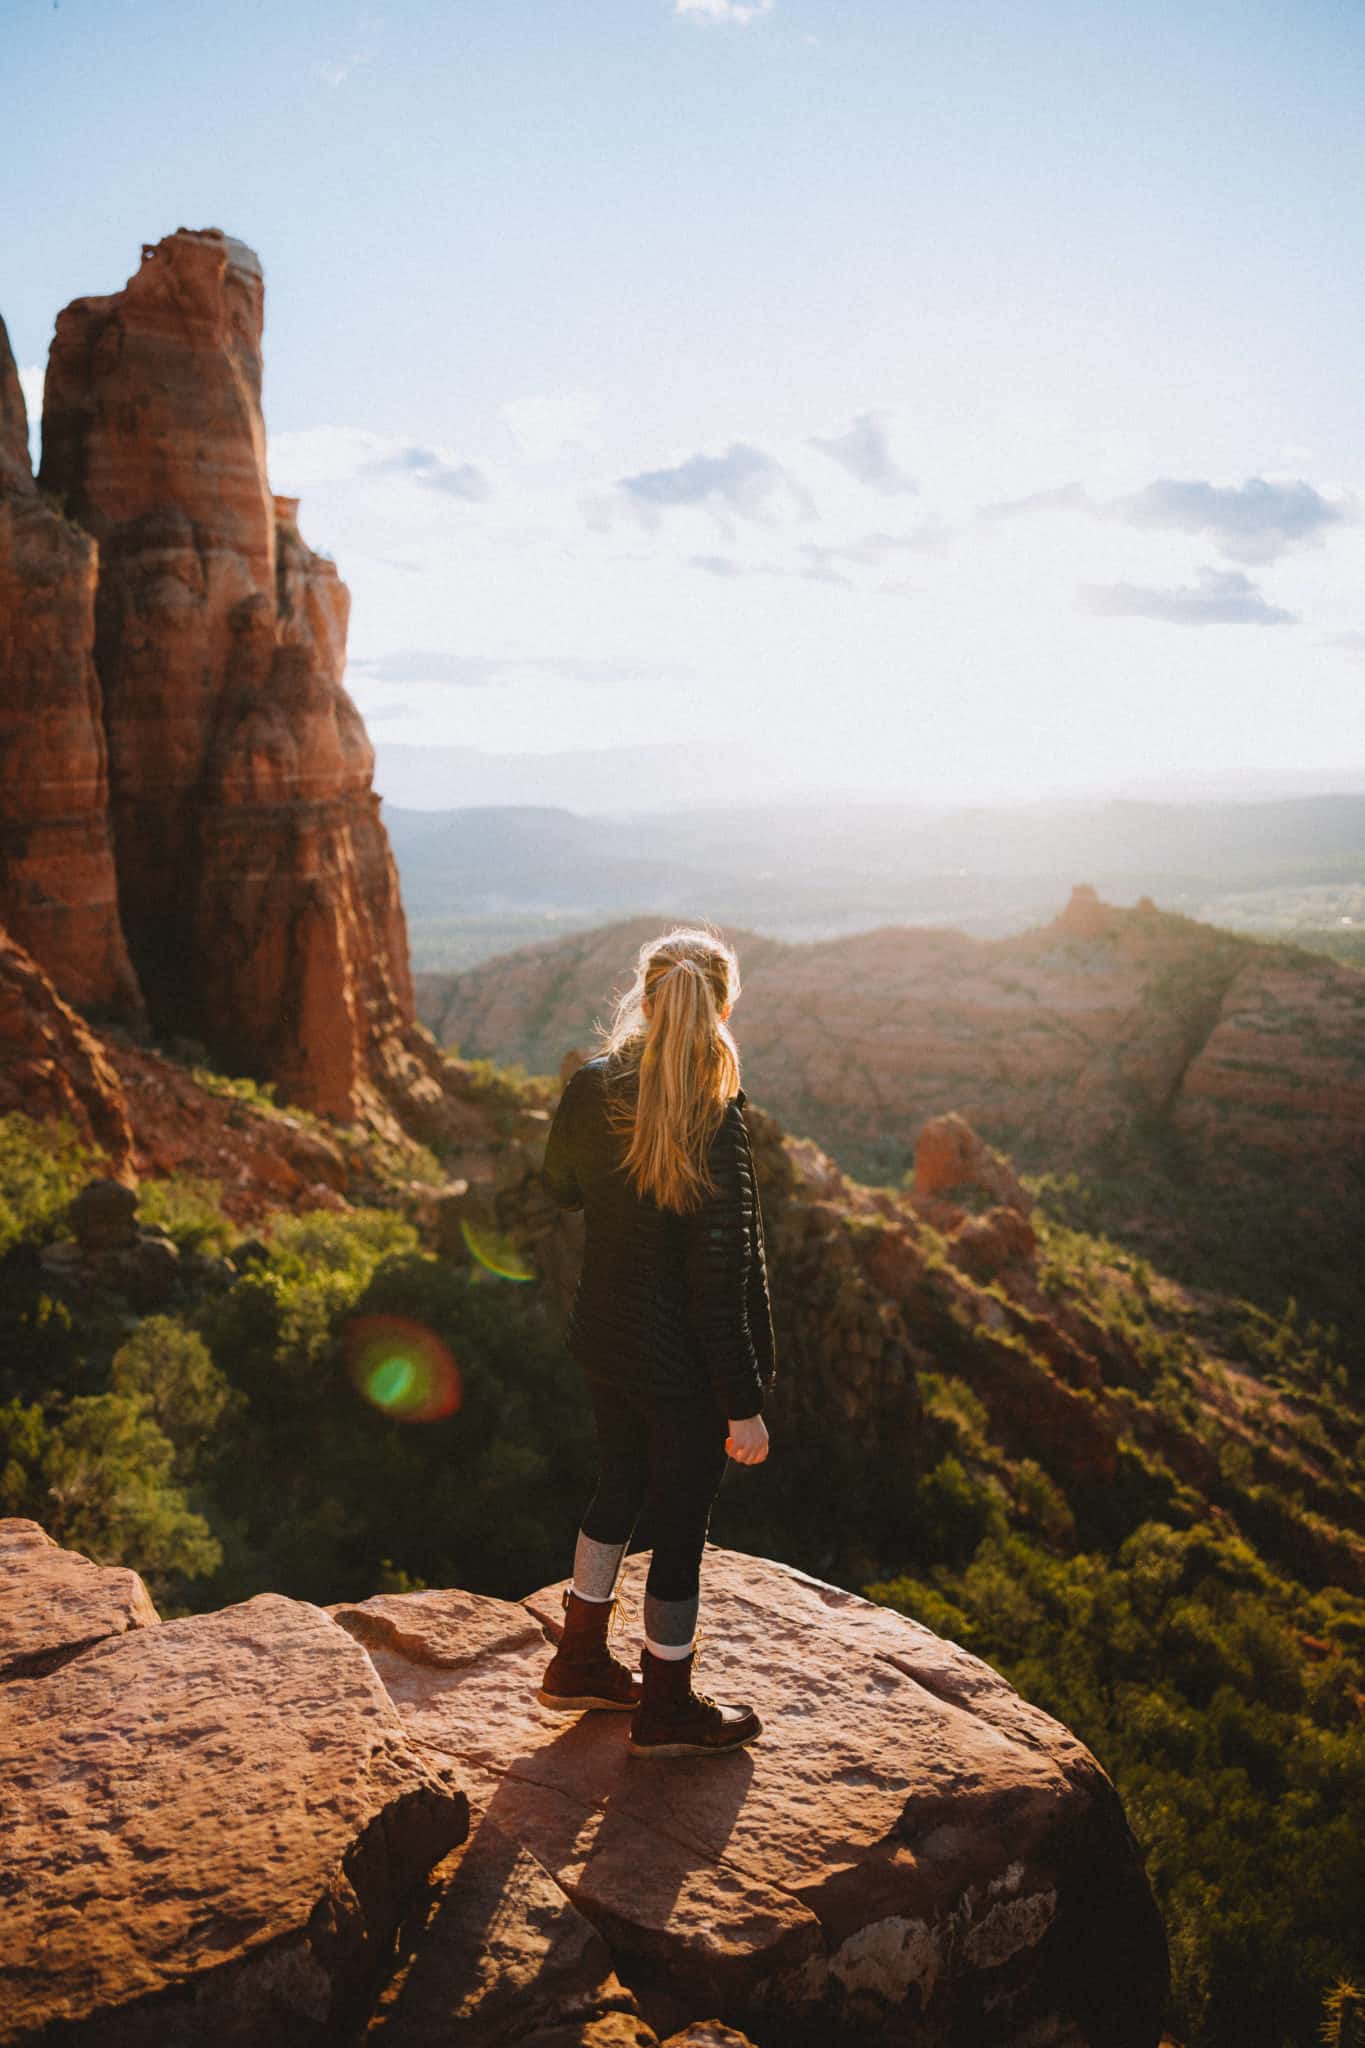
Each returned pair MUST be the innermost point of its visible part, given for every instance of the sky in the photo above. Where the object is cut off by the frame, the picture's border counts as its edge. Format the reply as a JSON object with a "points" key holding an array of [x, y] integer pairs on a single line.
{"points": [[954, 401]]}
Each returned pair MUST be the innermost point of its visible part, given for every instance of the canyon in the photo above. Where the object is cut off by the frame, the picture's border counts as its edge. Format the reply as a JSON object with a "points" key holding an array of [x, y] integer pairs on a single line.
{"points": [[1209, 1088], [205, 986]]}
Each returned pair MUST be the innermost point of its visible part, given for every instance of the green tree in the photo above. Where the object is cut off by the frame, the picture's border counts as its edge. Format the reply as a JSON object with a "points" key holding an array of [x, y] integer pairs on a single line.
{"points": [[98, 1474], [171, 1369], [41, 1167]]}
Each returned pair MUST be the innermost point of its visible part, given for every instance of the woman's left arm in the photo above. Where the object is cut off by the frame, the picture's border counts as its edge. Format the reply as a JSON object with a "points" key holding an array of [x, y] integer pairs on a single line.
{"points": [[720, 1259], [760, 1304]]}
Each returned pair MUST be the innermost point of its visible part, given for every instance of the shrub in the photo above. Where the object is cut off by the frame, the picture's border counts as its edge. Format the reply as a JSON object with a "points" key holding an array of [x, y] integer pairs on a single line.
{"points": [[171, 1370], [186, 1206], [42, 1165], [97, 1473]]}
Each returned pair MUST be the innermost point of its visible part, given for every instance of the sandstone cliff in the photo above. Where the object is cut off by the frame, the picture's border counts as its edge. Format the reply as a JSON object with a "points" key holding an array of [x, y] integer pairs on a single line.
{"points": [[388, 1826], [53, 1065], [259, 897], [1217, 1083], [1052, 1044], [58, 891]]}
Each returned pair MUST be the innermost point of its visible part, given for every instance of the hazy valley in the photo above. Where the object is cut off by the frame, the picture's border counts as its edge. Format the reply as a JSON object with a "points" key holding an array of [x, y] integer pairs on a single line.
{"points": [[482, 881], [1062, 1208]]}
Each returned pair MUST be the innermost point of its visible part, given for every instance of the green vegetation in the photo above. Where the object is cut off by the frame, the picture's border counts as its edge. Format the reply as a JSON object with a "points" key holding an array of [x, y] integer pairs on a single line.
{"points": [[220, 1447], [1247, 1236], [186, 1207], [1226, 1706], [1197, 1615], [41, 1168]]}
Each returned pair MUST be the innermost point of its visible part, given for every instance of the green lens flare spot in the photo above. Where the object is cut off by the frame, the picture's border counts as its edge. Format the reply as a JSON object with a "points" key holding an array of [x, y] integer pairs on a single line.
{"points": [[392, 1382], [401, 1368]]}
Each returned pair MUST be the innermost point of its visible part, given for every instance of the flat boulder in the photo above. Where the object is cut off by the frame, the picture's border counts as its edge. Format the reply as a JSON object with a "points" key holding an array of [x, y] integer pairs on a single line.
{"points": [[911, 1852], [54, 1603], [213, 1827]]}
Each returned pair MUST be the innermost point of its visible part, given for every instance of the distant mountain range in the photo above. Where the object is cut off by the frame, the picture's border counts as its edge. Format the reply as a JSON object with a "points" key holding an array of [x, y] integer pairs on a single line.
{"points": [[680, 775], [479, 881]]}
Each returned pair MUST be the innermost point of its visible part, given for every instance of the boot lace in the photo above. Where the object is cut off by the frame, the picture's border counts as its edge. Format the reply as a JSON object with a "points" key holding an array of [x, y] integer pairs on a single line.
{"points": [[703, 1699]]}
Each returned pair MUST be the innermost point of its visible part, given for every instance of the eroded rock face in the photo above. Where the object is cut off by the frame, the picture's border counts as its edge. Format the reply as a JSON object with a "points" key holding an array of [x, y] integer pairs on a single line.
{"points": [[951, 1162], [52, 1063], [911, 1851], [55, 1603], [1049, 1044], [212, 1828], [1118, 1044], [260, 898], [58, 892]]}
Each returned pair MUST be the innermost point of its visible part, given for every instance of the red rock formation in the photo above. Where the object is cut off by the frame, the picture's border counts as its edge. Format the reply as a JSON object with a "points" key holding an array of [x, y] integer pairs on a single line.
{"points": [[1132, 1047], [985, 1245], [298, 926], [56, 1603], [1052, 1044], [53, 1065], [212, 1828], [950, 1159], [260, 897], [911, 1847], [58, 894]]}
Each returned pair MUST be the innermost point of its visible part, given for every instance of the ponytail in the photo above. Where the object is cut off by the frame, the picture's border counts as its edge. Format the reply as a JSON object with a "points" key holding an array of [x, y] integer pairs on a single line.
{"points": [[682, 1058]]}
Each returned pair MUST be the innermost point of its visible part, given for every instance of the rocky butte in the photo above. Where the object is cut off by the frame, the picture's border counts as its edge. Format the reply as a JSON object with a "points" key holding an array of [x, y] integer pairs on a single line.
{"points": [[58, 888], [189, 816], [388, 1839]]}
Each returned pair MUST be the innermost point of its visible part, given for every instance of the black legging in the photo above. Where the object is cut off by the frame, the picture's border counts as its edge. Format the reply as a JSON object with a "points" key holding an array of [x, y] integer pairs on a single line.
{"points": [[667, 1459]]}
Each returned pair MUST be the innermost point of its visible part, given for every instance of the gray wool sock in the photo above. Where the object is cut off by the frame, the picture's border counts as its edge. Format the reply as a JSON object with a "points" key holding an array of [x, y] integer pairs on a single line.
{"points": [[670, 1625], [596, 1568]]}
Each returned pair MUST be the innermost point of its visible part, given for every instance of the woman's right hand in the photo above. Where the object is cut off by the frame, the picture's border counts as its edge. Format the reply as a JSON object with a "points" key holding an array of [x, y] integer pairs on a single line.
{"points": [[747, 1442]]}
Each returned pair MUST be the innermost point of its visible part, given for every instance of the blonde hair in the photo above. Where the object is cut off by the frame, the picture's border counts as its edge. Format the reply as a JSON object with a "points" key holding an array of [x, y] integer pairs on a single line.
{"points": [[684, 1058]]}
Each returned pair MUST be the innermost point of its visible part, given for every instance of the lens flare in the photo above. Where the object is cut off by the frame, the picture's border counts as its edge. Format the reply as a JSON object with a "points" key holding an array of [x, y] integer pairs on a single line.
{"points": [[494, 1251], [401, 1368]]}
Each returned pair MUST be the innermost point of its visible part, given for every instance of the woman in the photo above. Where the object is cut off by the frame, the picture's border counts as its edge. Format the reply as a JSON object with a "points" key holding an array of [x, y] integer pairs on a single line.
{"points": [[671, 1326]]}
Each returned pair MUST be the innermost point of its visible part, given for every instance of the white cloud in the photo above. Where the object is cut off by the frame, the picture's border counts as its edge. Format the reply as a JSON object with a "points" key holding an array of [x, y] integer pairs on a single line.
{"points": [[308, 457], [553, 423], [431, 470], [742, 479], [1222, 597], [864, 450], [1058, 498], [742, 11], [1250, 522], [335, 70], [755, 552]]}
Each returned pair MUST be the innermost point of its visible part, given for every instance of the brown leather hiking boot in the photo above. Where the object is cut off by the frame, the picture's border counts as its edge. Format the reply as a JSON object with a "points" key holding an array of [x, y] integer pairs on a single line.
{"points": [[672, 1720], [583, 1672]]}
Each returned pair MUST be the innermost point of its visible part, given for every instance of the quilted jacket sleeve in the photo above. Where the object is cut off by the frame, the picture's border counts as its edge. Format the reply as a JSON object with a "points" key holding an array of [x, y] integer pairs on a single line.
{"points": [[558, 1171], [723, 1248], [759, 1304]]}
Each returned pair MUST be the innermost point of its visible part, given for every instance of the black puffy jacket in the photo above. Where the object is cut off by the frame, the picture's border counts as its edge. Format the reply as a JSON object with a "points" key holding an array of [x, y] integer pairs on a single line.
{"points": [[666, 1302]]}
